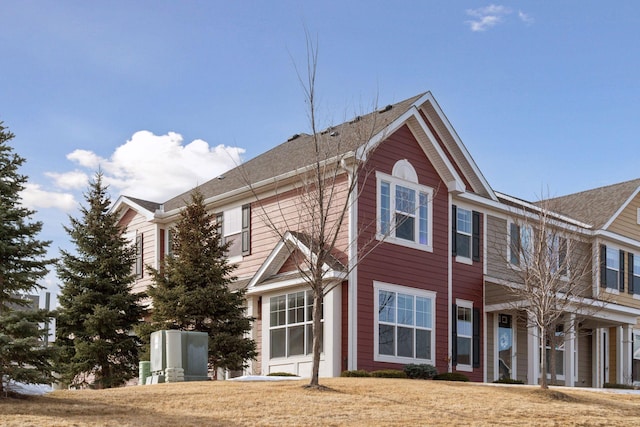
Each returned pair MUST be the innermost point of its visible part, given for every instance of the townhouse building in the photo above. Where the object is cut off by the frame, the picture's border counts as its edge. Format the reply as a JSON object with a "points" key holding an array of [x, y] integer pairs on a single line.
{"points": [[420, 271]]}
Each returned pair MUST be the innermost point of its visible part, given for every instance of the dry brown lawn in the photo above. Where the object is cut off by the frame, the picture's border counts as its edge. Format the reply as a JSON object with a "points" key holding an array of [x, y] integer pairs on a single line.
{"points": [[348, 402]]}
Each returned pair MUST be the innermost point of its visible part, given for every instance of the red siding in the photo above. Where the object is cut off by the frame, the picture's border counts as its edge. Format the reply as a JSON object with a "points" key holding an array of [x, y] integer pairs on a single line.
{"points": [[398, 264], [467, 284]]}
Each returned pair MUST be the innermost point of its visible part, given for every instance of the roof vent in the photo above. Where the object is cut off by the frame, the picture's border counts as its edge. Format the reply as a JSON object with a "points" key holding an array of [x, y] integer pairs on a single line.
{"points": [[294, 136], [220, 177], [334, 133], [385, 109], [356, 119]]}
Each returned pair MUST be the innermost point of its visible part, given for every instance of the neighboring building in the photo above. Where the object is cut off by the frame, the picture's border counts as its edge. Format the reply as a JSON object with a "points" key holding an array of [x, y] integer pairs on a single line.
{"points": [[432, 288]]}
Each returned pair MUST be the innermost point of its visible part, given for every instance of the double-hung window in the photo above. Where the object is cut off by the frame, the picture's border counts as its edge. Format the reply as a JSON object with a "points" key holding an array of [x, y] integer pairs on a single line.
{"points": [[634, 274], [520, 244], [557, 254], [612, 268], [404, 212], [465, 239], [404, 324], [290, 324], [464, 328]]}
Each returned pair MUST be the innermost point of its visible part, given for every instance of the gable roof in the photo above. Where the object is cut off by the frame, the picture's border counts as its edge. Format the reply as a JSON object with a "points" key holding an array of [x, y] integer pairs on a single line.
{"points": [[295, 154], [267, 275], [355, 135], [598, 206], [144, 207]]}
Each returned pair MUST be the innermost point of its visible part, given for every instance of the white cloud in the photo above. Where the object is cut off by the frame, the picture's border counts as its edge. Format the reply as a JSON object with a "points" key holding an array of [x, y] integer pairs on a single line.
{"points": [[34, 197], [155, 167], [73, 180], [490, 16], [526, 18]]}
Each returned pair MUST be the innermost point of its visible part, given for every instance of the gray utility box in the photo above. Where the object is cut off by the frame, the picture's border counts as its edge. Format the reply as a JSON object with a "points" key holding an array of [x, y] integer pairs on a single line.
{"points": [[180, 350]]}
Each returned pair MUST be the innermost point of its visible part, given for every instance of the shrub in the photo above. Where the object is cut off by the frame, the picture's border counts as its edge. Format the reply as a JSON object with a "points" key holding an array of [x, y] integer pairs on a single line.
{"points": [[281, 374], [389, 373], [420, 372], [358, 373], [508, 381], [616, 385], [451, 376]]}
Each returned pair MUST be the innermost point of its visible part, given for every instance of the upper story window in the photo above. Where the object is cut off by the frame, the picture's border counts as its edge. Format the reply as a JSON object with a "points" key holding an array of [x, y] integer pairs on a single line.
{"points": [[634, 274], [404, 208], [139, 267], [520, 244], [557, 247], [612, 268], [465, 234], [234, 227]]}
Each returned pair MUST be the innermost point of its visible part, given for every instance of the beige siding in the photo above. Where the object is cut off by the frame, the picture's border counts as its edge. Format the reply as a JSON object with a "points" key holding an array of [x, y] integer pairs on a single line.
{"points": [[497, 294], [585, 359], [491, 346], [522, 357], [497, 239], [626, 224], [136, 224], [285, 213]]}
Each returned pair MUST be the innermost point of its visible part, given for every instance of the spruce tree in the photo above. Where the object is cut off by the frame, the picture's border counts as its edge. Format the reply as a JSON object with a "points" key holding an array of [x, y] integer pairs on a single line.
{"points": [[23, 357], [97, 310], [191, 290]]}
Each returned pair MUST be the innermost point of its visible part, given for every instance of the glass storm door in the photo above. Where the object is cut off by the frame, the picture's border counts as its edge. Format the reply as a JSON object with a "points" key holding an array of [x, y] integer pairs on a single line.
{"points": [[505, 347]]}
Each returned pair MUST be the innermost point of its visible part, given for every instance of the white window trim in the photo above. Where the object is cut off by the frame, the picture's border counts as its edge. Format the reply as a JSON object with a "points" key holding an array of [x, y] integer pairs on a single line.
{"points": [[616, 290], [517, 267], [469, 305], [394, 181], [286, 326], [378, 286], [459, 258]]}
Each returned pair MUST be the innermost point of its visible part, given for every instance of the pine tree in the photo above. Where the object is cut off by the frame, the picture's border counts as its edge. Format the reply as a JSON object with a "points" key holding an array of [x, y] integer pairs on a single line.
{"points": [[22, 264], [191, 290], [97, 310]]}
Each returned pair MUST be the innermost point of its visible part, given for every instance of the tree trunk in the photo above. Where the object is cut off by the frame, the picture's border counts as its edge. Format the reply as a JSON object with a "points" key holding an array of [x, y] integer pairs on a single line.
{"points": [[317, 336], [543, 365]]}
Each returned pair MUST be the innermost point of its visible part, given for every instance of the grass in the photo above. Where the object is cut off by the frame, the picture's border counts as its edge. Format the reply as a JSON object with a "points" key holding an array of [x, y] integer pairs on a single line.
{"points": [[347, 401]]}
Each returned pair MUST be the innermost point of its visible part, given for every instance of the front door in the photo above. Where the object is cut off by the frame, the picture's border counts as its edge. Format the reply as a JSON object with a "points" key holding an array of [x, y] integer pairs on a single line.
{"points": [[505, 347]]}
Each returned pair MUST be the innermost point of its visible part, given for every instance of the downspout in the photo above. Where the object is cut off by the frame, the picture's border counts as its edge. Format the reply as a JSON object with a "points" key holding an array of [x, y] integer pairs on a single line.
{"points": [[449, 289], [352, 287]]}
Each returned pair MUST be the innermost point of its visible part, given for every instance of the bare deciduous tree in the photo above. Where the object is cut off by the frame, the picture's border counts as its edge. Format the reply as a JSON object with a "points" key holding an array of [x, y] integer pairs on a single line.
{"points": [[553, 266], [315, 203]]}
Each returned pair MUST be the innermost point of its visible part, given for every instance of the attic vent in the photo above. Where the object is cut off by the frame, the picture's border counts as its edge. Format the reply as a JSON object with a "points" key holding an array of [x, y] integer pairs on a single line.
{"points": [[385, 109], [327, 130], [294, 136], [334, 133], [356, 119]]}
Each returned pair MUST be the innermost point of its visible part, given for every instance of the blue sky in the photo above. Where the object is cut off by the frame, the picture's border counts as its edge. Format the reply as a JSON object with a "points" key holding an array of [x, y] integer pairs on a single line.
{"points": [[164, 95]]}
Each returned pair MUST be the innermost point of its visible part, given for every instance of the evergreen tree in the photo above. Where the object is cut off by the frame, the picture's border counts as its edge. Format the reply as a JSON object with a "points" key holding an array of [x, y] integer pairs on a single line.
{"points": [[97, 308], [22, 264], [191, 290]]}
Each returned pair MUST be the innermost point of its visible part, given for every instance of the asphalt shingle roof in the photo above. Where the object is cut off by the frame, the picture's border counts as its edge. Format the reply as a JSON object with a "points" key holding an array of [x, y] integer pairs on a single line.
{"points": [[595, 206]]}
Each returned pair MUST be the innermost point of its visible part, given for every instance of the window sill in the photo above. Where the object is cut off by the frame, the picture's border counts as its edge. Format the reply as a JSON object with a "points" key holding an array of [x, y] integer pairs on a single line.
{"points": [[398, 359], [406, 243], [612, 291], [464, 260], [464, 368]]}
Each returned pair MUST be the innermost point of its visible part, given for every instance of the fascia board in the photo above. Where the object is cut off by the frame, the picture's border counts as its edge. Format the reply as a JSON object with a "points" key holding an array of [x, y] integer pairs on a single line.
{"points": [[430, 98], [125, 201]]}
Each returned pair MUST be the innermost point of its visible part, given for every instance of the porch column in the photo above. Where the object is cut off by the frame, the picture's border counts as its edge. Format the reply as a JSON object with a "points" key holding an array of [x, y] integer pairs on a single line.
{"points": [[570, 352], [624, 356], [533, 355]]}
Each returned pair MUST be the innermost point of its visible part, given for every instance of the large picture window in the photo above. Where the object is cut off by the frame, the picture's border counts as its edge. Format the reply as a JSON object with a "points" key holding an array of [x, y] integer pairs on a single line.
{"points": [[404, 212], [404, 324], [290, 324]]}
